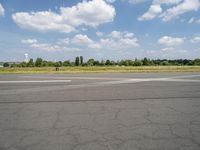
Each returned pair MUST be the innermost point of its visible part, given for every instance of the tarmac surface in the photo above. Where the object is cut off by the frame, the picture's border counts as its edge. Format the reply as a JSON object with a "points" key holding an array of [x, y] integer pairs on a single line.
{"points": [[140, 111]]}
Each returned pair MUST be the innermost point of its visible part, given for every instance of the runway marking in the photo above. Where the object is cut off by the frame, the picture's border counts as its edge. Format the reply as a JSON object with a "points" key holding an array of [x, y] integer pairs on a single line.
{"points": [[79, 78], [186, 76], [37, 81], [90, 85], [180, 80]]}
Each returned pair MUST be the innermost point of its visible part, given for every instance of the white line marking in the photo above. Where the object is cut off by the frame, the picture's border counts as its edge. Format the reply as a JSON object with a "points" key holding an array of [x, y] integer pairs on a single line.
{"points": [[181, 80], [78, 78], [94, 84], [38, 81], [186, 76]]}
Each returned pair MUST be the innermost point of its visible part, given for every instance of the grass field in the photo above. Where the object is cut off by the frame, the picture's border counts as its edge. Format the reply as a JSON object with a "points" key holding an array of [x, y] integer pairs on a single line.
{"points": [[37, 70]]}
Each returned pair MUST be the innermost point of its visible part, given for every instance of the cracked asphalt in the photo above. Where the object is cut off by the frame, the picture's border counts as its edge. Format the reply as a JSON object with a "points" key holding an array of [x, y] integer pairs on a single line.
{"points": [[153, 111]]}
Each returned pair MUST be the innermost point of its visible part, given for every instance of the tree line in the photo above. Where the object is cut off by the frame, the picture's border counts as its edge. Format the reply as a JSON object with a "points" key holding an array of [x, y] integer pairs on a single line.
{"points": [[39, 62]]}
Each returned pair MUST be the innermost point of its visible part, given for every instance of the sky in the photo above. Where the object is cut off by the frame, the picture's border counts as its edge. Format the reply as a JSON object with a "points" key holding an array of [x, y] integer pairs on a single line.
{"points": [[100, 29]]}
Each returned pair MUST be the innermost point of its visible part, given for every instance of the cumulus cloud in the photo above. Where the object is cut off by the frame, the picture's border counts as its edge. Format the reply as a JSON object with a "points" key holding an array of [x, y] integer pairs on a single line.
{"points": [[153, 11], [33, 43], [81, 39], [178, 8], [195, 39], [110, 1], [193, 20], [41, 21], [99, 33], [167, 2], [170, 41], [137, 1], [184, 7], [198, 21], [2, 11], [64, 41], [29, 41], [87, 13], [167, 49], [117, 40], [84, 40]]}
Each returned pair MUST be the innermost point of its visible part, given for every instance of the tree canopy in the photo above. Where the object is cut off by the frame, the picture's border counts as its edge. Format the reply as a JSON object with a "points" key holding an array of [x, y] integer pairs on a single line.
{"points": [[39, 62]]}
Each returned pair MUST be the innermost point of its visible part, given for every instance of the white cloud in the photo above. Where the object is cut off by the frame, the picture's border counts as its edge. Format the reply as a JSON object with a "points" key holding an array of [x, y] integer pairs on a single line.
{"points": [[153, 11], [42, 46], [184, 7], [64, 41], [110, 1], [178, 8], [191, 20], [99, 33], [198, 21], [156, 9], [167, 2], [2, 11], [59, 46], [167, 49], [117, 40], [195, 39], [45, 46], [29, 41], [170, 41], [137, 1], [83, 40], [88, 13], [94, 46], [121, 35], [116, 34], [42, 21]]}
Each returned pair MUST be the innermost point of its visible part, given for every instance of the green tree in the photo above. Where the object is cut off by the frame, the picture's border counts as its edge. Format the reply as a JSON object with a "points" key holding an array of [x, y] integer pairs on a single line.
{"points": [[96, 63], [196, 62], [81, 60], [6, 64], [60, 63], [13, 65], [30, 63], [77, 62], [137, 62], [56, 64], [45, 63], [90, 62], [165, 63], [66, 63], [22, 64], [38, 62], [145, 61], [108, 62]]}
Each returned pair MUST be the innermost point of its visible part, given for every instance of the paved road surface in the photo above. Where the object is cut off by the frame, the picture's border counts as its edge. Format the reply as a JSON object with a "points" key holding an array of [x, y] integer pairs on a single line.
{"points": [[158, 111]]}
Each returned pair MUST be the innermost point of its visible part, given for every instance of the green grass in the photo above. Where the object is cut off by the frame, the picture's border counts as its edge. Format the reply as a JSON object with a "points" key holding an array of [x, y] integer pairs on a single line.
{"points": [[41, 70]]}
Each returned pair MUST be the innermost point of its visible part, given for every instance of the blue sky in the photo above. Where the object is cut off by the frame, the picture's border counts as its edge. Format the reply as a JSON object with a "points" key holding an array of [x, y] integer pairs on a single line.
{"points": [[100, 29]]}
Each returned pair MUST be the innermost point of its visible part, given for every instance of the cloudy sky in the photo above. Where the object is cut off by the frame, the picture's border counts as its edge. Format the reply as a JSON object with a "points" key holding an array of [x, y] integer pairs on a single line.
{"points": [[100, 29]]}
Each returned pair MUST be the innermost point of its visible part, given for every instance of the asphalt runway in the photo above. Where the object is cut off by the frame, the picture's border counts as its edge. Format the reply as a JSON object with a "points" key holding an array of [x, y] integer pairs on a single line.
{"points": [[140, 111]]}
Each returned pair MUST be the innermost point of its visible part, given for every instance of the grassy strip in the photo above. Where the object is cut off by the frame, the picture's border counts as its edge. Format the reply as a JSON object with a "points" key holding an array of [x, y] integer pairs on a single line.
{"points": [[107, 69]]}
